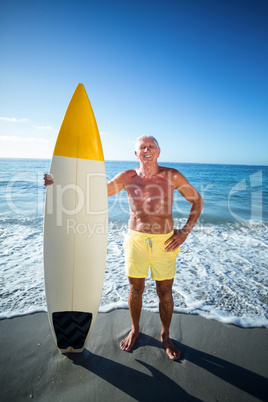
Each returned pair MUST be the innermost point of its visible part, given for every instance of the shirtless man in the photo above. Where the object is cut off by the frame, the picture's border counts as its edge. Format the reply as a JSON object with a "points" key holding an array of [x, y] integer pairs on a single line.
{"points": [[151, 239]]}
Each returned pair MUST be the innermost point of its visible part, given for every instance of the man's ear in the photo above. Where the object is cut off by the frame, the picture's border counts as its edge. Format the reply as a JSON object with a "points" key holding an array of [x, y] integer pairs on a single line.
{"points": [[158, 152], [136, 155]]}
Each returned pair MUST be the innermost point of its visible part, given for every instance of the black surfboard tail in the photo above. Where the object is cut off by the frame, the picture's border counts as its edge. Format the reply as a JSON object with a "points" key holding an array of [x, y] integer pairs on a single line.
{"points": [[71, 328]]}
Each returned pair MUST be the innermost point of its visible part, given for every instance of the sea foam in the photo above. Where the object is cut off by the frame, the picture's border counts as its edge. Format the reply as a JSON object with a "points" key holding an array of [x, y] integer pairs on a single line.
{"points": [[221, 270]]}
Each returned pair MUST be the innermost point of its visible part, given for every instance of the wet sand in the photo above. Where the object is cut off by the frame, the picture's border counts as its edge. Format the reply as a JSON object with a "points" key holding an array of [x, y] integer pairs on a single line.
{"points": [[218, 362]]}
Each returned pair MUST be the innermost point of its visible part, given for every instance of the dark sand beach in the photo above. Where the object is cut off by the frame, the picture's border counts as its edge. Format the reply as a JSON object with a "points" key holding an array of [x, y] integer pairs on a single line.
{"points": [[219, 362]]}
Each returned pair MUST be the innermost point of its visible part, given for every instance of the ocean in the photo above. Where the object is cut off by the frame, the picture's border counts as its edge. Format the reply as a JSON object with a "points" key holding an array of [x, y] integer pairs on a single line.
{"points": [[222, 267]]}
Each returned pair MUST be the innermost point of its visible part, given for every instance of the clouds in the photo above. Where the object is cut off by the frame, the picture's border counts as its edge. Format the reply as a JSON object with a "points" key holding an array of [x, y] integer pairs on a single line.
{"points": [[14, 119], [44, 128], [23, 120], [15, 138], [21, 137]]}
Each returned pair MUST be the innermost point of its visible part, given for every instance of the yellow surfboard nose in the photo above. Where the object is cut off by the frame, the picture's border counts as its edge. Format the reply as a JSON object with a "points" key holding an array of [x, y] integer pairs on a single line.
{"points": [[79, 135]]}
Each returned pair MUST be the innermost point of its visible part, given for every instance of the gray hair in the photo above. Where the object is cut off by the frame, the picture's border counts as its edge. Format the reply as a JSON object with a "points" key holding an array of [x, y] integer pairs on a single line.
{"points": [[147, 136]]}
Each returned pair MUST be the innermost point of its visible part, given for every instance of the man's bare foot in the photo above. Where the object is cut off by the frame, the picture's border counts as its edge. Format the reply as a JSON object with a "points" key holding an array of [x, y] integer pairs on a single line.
{"points": [[172, 351], [128, 343]]}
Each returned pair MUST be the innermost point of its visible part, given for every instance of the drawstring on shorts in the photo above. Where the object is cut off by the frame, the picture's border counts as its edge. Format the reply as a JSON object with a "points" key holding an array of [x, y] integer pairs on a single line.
{"points": [[149, 243]]}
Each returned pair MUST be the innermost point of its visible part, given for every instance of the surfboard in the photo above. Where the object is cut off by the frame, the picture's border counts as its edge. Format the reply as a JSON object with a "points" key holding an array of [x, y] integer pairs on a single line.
{"points": [[75, 227]]}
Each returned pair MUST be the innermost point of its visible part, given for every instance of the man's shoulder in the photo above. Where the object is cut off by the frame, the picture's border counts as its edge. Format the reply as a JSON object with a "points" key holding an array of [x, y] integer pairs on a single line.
{"points": [[169, 170], [173, 174], [129, 172]]}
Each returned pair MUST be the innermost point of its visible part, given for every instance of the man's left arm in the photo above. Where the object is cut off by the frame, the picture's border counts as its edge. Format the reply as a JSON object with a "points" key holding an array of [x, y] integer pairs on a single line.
{"points": [[193, 196]]}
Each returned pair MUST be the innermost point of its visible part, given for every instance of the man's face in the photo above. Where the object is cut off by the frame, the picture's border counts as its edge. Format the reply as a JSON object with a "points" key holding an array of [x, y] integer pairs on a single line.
{"points": [[147, 151]]}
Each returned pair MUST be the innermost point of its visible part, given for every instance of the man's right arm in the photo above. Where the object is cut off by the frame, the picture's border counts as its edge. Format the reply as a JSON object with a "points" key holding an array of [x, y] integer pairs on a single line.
{"points": [[116, 184]]}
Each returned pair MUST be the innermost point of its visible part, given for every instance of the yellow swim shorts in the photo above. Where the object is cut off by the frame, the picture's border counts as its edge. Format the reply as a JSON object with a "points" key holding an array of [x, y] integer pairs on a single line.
{"points": [[144, 250]]}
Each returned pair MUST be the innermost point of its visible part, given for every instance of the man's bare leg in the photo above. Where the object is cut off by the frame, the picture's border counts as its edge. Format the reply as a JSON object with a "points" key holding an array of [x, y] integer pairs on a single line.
{"points": [[164, 291], [135, 303]]}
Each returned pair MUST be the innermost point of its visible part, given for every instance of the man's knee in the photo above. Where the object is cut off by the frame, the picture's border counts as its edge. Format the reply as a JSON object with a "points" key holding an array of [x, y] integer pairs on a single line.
{"points": [[164, 290], [137, 285]]}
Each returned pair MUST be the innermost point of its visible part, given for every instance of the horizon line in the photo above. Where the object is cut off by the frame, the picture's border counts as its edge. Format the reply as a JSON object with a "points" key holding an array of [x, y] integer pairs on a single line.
{"points": [[124, 160]]}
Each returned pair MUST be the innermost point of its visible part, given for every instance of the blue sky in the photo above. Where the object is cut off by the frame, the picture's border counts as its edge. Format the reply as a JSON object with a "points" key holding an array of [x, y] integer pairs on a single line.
{"points": [[192, 73]]}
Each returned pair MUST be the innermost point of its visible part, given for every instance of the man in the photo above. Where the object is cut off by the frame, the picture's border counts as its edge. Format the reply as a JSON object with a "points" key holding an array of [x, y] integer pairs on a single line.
{"points": [[151, 239]]}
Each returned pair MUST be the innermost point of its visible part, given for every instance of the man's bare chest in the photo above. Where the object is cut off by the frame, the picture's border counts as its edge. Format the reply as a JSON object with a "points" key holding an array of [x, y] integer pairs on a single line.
{"points": [[150, 195]]}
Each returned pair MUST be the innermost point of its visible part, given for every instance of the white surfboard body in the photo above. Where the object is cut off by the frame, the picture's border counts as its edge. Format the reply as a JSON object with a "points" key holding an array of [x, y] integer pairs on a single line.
{"points": [[75, 227]]}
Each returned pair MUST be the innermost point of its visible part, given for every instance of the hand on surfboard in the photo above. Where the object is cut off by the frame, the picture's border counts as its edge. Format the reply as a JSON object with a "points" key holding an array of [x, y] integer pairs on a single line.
{"points": [[48, 179]]}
